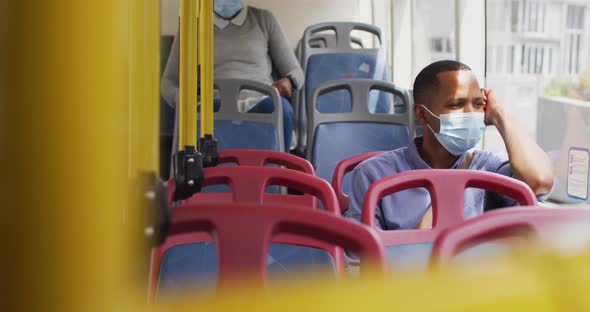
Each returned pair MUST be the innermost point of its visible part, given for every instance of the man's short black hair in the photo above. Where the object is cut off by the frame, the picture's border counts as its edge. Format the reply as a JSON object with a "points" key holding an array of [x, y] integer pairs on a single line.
{"points": [[427, 80]]}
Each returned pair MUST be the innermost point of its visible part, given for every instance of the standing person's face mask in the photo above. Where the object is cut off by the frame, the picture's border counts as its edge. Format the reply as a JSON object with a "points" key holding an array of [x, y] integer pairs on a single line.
{"points": [[227, 8], [459, 132]]}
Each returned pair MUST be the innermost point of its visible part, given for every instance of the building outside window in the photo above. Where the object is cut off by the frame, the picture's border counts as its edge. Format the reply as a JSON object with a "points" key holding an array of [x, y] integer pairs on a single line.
{"points": [[538, 62], [543, 44]]}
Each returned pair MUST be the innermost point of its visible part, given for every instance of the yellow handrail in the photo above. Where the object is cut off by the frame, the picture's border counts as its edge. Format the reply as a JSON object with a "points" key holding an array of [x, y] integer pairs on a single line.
{"points": [[187, 121], [144, 92], [206, 65]]}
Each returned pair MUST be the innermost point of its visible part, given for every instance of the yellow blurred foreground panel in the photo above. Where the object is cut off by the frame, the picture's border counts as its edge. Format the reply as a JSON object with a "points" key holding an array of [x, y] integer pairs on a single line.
{"points": [[79, 111], [541, 282]]}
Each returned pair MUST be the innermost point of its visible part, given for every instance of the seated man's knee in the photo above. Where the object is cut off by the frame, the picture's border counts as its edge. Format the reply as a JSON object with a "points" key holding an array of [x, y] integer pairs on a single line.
{"points": [[266, 106], [287, 108]]}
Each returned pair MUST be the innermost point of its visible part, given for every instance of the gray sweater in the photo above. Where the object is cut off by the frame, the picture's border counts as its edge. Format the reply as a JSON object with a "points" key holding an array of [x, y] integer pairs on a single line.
{"points": [[246, 51]]}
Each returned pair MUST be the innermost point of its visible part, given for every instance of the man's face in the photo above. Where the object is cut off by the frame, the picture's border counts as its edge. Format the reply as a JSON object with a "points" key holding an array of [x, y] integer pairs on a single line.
{"points": [[458, 92]]}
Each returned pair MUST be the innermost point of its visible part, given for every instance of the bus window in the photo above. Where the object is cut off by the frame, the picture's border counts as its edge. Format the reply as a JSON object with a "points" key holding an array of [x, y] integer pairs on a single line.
{"points": [[433, 31], [538, 63]]}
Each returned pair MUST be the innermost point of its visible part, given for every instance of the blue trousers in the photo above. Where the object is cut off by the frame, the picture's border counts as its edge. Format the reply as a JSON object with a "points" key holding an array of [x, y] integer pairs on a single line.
{"points": [[266, 106]]}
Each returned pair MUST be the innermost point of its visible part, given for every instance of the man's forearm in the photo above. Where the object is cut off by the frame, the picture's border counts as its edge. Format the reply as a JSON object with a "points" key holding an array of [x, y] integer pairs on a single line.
{"points": [[528, 161]]}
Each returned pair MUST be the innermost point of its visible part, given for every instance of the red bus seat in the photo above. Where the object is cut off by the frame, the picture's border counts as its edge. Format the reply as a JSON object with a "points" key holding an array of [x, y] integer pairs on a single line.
{"points": [[253, 157], [343, 186], [243, 233], [446, 188], [501, 224]]}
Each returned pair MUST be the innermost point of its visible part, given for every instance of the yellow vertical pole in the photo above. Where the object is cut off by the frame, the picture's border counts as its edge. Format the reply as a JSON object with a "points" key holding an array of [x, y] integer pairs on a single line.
{"points": [[143, 125], [144, 94], [188, 74], [206, 64], [64, 113]]}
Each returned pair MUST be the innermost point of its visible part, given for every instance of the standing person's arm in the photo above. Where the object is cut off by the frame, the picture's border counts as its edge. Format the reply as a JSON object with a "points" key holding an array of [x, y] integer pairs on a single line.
{"points": [[283, 58], [528, 161], [170, 84]]}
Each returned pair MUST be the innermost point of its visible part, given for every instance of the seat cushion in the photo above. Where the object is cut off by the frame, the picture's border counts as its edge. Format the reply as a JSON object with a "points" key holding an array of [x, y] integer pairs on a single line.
{"points": [[195, 266], [337, 141], [322, 68]]}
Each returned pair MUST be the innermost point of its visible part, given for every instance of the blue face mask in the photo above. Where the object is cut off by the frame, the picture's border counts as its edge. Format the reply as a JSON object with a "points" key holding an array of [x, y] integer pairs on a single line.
{"points": [[227, 8], [459, 132]]}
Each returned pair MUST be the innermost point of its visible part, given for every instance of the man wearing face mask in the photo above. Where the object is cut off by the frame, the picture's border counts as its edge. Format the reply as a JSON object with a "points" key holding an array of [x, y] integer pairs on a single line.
{"points": [[249, 42], [453, 112]]}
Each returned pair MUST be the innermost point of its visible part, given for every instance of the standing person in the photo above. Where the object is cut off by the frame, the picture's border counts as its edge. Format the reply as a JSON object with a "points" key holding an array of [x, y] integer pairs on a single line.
{"points": [[249, 43]]}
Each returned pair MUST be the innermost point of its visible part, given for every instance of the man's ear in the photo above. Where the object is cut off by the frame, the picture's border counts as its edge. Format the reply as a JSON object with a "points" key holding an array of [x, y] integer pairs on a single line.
{"points": [[419, 113]]}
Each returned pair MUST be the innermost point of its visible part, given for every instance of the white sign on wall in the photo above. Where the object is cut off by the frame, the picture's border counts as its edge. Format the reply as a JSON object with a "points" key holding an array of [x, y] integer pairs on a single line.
{"points": [[578, 171]]}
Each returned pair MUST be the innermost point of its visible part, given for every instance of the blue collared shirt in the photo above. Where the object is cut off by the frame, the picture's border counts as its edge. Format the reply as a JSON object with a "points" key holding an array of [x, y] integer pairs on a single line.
{"points": [[405, 209]]}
